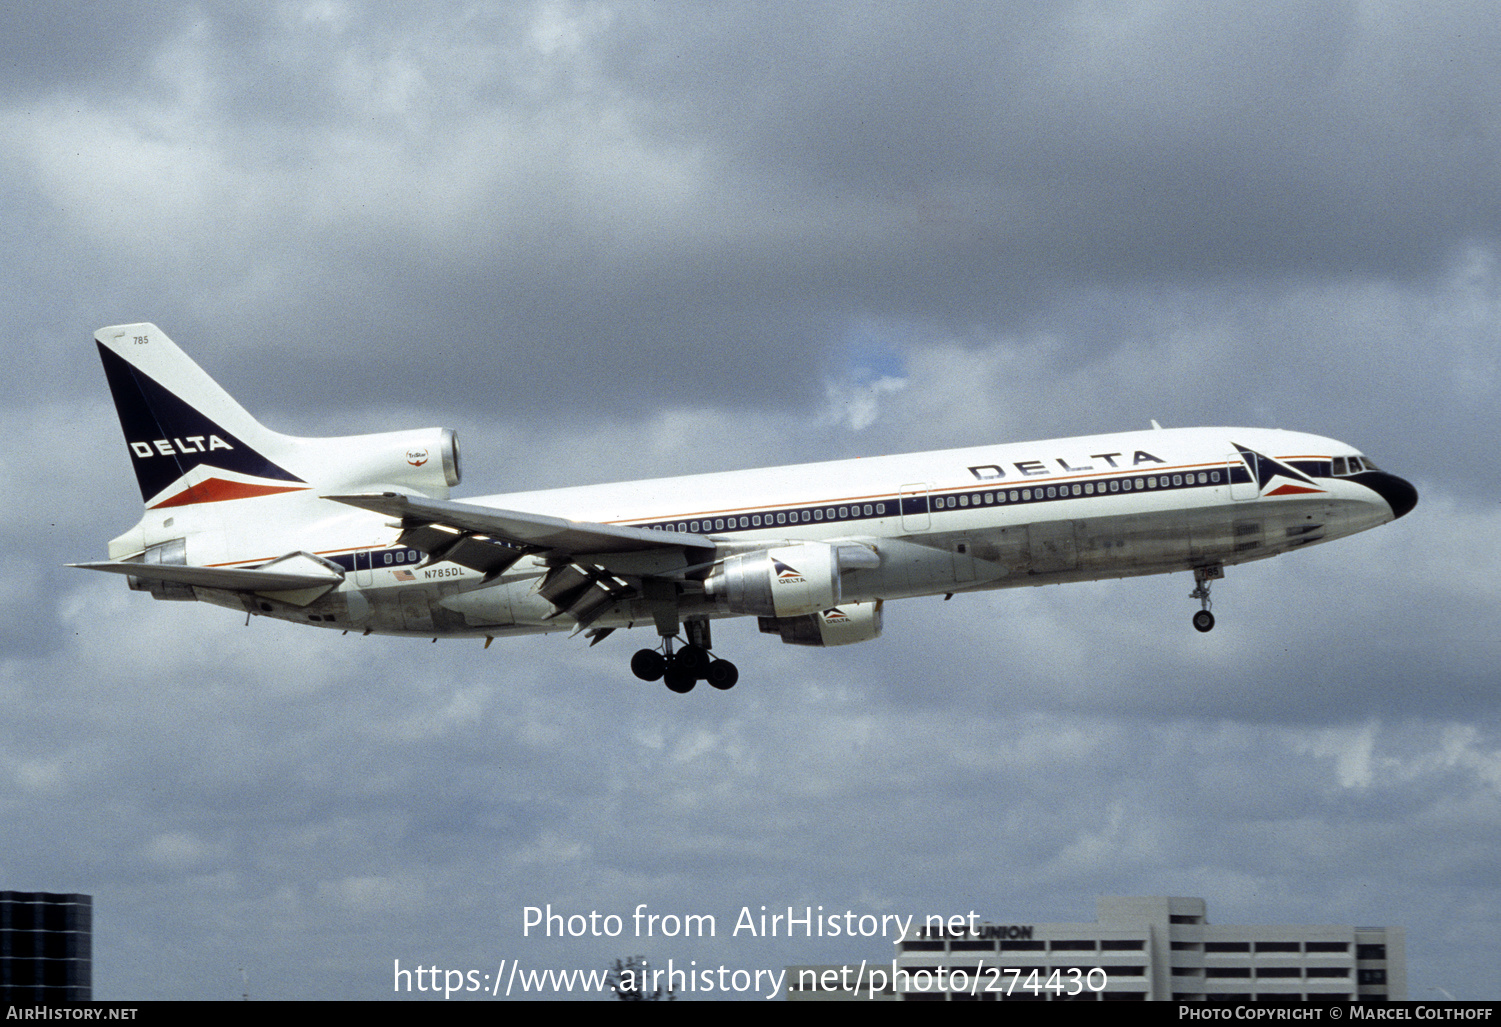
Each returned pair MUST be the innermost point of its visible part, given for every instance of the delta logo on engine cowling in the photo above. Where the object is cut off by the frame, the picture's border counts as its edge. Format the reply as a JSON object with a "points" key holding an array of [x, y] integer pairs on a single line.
{"points": [[786, 575]]}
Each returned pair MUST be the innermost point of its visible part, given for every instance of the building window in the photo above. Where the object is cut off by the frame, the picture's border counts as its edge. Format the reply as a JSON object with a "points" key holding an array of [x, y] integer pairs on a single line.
{"points": [[1277, 946]]}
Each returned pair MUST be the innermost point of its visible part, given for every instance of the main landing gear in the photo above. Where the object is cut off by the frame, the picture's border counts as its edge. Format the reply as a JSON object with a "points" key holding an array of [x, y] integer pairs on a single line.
{"points": [[1203, 577], [692, 663]]}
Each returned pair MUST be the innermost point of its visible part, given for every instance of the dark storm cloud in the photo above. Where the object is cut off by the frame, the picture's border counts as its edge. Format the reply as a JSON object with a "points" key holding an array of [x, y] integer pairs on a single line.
{"points": [[1160, 142], [962, 166], [77, 46]]}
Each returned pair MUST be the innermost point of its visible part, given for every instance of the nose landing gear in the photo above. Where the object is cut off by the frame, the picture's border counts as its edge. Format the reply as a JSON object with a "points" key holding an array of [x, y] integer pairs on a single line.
{"points": [[1203, 620]]}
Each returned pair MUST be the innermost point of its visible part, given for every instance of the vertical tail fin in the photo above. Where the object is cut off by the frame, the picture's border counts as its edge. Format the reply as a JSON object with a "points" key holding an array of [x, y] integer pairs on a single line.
{"points": [[189, 441]]}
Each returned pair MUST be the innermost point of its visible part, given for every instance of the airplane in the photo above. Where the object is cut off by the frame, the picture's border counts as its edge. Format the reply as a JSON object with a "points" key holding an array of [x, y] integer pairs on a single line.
{"points": [[358, 533]]}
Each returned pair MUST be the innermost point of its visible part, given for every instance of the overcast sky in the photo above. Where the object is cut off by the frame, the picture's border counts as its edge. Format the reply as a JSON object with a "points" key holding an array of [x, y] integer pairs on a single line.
{"points": [[617, 240]]}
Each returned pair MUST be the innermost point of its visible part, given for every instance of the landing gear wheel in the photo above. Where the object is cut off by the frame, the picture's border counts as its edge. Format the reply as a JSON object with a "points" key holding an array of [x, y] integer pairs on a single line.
{"points": [[678, 678], [693, 659], [722, 674], [648, 665], [1203, 578]]}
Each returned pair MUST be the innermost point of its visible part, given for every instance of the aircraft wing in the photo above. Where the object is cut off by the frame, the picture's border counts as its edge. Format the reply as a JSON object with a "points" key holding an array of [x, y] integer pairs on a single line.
{"points": [[490, 539], [589, 561]]}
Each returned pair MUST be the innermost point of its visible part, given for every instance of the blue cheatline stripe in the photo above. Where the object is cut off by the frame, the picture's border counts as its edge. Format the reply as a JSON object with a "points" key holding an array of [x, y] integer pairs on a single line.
{"points": [[955, 500]]}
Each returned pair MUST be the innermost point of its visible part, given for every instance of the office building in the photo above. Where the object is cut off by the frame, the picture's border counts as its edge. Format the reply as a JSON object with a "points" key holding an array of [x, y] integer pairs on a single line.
{"points": [[46, 947], [1147, 948]]}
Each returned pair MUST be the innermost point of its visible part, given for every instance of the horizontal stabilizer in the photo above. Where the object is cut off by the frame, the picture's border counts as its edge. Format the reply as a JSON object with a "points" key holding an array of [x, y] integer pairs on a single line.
{"points": [[294, 571]]}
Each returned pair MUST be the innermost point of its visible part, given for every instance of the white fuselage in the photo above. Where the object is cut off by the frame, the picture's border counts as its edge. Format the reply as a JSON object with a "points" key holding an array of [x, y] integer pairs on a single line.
{"points": [[939, 522]]}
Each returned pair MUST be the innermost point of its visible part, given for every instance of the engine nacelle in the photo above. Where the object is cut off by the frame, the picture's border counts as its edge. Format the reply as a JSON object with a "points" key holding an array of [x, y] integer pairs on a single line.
{"points": [[425, 460], [842, 625], [781, 582]]}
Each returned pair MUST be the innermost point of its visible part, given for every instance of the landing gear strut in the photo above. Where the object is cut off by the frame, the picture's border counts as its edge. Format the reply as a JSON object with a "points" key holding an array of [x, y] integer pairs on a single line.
{"points": [[1203, 577], [692, 663]]}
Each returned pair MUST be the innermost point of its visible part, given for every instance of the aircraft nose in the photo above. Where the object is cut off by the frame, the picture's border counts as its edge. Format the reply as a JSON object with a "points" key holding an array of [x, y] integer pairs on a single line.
{"points": [[1398, 492]]}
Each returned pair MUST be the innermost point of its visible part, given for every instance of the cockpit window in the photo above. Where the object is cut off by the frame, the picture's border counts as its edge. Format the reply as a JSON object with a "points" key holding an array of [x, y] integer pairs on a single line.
{"points": [[1352, 465]]}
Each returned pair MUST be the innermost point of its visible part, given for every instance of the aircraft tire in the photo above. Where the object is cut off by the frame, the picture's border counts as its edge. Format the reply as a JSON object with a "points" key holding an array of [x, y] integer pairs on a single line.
{"points": [[679, 679], [1204, 620], [648, 665], [694, 659], [722, 674]]}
